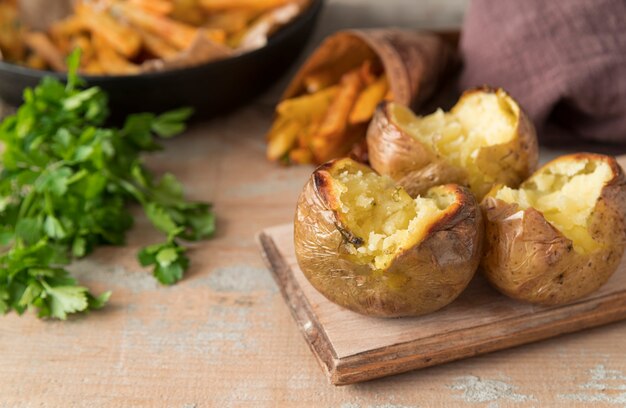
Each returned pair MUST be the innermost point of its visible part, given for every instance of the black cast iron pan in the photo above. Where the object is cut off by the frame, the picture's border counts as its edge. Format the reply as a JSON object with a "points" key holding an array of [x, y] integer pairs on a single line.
{"points": [[211, 88]]}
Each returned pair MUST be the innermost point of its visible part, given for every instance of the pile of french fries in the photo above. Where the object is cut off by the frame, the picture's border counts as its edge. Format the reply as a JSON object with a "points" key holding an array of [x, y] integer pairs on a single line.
{"points": [[120, 36], [330, 118]]}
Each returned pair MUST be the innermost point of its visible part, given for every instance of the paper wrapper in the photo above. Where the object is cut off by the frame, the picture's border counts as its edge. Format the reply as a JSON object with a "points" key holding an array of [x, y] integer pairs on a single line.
{"points": [[415, 62]]}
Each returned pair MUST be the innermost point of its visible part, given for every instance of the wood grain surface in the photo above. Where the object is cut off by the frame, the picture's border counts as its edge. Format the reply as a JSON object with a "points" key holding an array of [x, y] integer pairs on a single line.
{"points": [[224, 337], [353, 348]]}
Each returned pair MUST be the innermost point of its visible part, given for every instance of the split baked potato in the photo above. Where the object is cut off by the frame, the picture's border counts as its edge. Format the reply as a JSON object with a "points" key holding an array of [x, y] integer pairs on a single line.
{"points": [[561, 235], [366, 245], [485, 139]]}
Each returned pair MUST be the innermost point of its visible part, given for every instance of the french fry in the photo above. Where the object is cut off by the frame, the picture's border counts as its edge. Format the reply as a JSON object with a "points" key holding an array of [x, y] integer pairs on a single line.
{"points": [[235, 38], [176, 34], [300, 156], [282, 139], [326, 149], [71, 25], [213, 5], [188, 11], [306, 135], [36, 62], [215, 34], [231, 22], [329, 76], [93, 67], [110, 61], [332, 130], [10, 33], [367, 101], [307, 107], [367, 73], [41, 45], [306, 111], [159, 7], [156, 45], [84, 43], [62, 32], [122, 38], [336, 118], [63, 44], [280, 122]]}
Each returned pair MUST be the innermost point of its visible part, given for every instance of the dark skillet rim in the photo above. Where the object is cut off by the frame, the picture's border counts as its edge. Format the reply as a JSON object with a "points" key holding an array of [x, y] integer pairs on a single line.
{"points": [[285, 32]]}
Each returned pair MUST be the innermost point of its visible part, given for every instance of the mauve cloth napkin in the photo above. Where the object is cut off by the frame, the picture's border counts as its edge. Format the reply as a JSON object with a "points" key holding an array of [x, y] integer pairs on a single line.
{"points": [[564, 61]]}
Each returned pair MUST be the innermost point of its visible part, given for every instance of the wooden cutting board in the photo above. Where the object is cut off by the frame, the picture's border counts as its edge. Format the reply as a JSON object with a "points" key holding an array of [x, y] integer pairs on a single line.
{"points": [[353, 348]]}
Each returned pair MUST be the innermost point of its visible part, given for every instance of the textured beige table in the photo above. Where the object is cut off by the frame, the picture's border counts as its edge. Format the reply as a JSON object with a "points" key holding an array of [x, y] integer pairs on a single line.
{"points": [[223, 337]]}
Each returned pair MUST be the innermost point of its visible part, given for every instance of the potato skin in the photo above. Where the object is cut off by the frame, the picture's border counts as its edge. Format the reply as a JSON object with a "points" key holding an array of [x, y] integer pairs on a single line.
{"points": [[405, 159], [420, 280], [416, 167], [528, 259]]}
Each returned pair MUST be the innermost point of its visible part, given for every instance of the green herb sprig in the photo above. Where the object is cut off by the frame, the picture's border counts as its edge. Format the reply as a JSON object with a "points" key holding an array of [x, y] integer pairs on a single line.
{"points": [[65, 185]]}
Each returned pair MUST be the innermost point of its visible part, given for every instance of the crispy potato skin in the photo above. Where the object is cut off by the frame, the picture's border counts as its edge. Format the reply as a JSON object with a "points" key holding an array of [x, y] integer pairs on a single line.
{"points": [[528, 259], [420, 280], [416, 167]]}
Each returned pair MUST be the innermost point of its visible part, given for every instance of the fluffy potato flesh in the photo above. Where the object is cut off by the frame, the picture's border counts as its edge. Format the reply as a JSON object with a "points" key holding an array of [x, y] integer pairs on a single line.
{"points": [[380, 220], [565, 193], [478, 120]]}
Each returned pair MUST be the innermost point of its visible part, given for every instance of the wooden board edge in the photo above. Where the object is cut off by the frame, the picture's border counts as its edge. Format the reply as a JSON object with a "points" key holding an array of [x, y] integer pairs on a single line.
{"points": [[298, 306], [436, 350]]}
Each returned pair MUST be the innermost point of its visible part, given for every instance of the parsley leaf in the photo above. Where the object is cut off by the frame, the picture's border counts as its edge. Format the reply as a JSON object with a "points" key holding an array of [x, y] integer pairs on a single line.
{"points": [[169, 261], [171, 123], [66, 181]]}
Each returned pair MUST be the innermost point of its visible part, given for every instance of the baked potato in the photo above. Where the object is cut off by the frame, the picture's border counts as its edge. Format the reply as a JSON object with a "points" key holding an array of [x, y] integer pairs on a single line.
{"points": [[561, 235], [485, 139], [366, 245]]}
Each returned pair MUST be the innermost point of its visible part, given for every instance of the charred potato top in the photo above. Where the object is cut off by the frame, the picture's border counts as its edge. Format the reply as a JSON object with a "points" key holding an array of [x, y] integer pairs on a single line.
{"points": [[485, 139], [365, 244], [561, 235]]}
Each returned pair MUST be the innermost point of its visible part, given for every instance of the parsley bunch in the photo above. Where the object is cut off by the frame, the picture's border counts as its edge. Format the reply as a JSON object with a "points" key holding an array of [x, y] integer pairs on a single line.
{"points": [[65, 185]]}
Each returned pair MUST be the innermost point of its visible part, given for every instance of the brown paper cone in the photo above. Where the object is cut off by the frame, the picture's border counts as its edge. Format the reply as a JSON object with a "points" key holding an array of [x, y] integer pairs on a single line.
{"points": [[415, 62]]}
